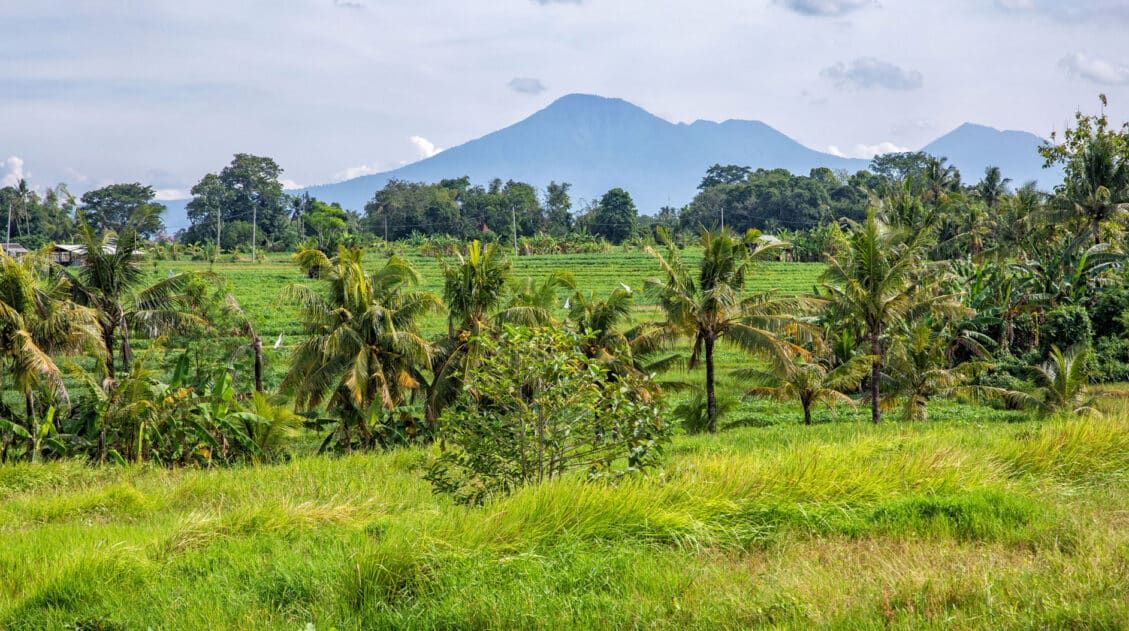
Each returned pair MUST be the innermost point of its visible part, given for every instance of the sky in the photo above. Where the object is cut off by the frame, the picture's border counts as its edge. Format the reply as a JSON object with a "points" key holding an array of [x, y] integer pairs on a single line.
{"points": [[94, 92]]}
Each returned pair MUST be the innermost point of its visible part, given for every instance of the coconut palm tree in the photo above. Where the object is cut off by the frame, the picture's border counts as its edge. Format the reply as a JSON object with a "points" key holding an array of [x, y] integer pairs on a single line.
{"points": [[940, 178], [609, 339], [363, 353], [109, 281], [708, 307], [38, 320], [1061, 384], [531, 303], [877, 278], [920, 365], [809, 379], [474, 290], [993, 187], [1096, 190]]}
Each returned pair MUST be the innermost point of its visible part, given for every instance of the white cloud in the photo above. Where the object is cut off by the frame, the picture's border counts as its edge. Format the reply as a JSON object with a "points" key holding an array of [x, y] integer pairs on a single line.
{"points": [[868, 72], [426, 147], [1070, 10], [289, 185], [357, 171], [527, 85], [13, 171], [1095, 69], [824, 8], [866, 151], [167, 194]]}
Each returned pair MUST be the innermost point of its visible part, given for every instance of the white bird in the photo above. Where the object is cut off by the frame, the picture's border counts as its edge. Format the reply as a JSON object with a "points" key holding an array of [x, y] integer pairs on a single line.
{"points": [[566, 304], [625, 287], [278, 342]]}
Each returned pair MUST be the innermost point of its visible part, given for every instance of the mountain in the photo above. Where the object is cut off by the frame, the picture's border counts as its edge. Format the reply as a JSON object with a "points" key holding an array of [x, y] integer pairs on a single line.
{"points": [[599, 143], [972, 148]]}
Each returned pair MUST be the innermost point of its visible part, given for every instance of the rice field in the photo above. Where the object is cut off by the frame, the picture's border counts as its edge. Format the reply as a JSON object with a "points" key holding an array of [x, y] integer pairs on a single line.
{"points": [[979, 519]]}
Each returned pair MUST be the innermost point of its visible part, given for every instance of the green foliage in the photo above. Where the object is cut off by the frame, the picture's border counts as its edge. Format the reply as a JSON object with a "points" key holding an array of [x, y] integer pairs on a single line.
{"points": [[693, 412], [362, 351], [614, 217], [116, 207], [245, 198], [535, 408], [1061, 384], [1065, 327], [708, 307]]}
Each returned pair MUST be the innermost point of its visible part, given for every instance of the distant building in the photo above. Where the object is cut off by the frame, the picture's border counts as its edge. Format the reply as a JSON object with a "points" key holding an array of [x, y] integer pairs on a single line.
{"points": [[13, 250], [768, 240]]}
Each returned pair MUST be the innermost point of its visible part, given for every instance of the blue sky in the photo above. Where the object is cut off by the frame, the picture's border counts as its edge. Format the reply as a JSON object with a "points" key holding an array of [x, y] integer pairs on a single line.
{"points": [[94, 92]]}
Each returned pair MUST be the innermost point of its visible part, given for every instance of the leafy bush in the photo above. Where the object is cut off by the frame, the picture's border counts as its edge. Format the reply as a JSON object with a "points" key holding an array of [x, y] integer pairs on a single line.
{"points": [[1106, 312], [693, 413], [536, 407], [1065, 327], [1111, 359]]}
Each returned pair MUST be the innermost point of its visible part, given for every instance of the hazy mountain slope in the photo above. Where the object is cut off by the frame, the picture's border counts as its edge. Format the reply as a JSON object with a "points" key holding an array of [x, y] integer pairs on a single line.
{"points": [[598, 143], [972, 148]]}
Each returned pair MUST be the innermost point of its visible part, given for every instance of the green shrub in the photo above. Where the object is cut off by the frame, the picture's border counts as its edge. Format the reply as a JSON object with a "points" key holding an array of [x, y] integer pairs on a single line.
{"points": [[1111, 359], [536, 407], [1065, 327]]}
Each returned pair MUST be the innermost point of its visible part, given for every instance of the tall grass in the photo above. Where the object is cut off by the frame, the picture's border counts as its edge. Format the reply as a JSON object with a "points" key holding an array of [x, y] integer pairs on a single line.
{"points": [[947, 525]]}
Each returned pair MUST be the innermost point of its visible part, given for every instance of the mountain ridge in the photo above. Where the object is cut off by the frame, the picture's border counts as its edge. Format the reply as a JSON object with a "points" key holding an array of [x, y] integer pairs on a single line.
{"points": [[597, 143]]}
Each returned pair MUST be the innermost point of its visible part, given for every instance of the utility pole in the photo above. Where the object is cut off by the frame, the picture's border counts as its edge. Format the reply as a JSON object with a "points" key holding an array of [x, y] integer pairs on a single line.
{"points": [[513, 214], [8, 242], [254, 229], [219, 227]]}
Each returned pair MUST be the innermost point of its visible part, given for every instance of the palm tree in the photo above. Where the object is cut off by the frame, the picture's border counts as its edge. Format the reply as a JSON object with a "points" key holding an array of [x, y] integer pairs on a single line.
{"points": [[810, 380], [940, 178], [993, 187], [363, 352], [919, 365], [531, 303], [1096, 190], [474, 290], [108, 282], [1061, 384], [708, 306], [37, 320], [877, 278], [608, 338]]}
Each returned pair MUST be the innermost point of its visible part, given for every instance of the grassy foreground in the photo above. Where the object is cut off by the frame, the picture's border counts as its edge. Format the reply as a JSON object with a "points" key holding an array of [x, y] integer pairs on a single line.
{"points": [[842, 525]]}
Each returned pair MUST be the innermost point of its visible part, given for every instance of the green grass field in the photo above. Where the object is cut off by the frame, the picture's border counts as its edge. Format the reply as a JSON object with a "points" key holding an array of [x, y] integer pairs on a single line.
{"points": [[953, 524], [978, 519]]}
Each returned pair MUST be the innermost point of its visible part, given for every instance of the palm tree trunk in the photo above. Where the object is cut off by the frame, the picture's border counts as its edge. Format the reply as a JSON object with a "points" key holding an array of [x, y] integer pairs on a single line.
{"points": [[29, 402], [127, 353], [807, 411], [108, 340], [711, 396], [257, 344], [875, 375]]}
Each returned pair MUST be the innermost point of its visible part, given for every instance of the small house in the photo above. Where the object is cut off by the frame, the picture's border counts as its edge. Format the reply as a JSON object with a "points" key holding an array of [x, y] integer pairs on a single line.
{"points": [[13, 250]]}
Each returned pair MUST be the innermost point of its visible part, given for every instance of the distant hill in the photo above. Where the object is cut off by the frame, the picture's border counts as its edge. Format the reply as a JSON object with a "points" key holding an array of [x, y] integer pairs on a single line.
{"points": [[972, 148], [599, 143]]}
